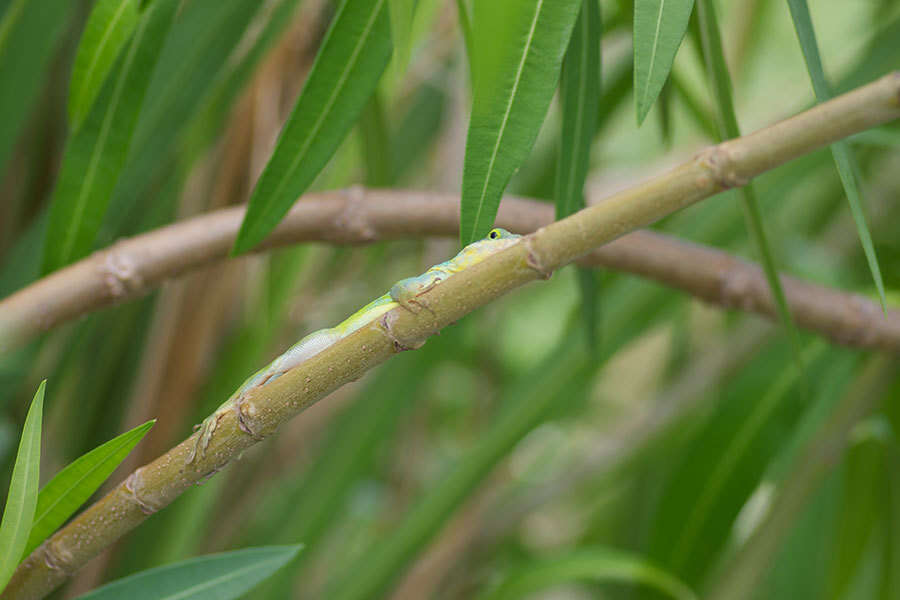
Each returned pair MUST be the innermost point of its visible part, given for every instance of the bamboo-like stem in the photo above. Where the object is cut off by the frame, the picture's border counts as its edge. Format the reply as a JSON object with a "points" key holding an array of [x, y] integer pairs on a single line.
{"points": [[154, 486], [131, 267]]}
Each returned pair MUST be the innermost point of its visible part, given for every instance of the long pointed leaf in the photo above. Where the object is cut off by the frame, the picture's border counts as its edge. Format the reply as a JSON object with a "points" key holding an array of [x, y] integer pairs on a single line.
{"points": [[214, 577], [107, 31], [519, 50], [659, 27], [72, 486], [402, 12], [353, 56], [580, 92], [96, 153], [843, 155], [23, 491], [590, 564]]}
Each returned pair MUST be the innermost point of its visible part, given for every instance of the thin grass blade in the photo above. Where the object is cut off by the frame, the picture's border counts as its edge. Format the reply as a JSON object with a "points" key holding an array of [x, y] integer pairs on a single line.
{"points": [[603, 565], [844, 159]]}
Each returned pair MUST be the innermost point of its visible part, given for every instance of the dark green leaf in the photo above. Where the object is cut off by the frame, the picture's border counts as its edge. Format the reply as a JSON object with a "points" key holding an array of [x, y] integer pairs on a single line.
{"points": [[519, 51], [71, 487], [28, 34], [23, 490], [350, 62], [214, 577], [96, 153], [659, 27], [843, 155], [107, 31]]}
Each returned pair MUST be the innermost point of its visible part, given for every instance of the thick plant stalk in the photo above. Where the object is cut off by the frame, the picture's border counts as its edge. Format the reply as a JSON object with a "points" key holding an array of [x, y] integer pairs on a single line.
{"points": [[729, 164], [134, 266]]}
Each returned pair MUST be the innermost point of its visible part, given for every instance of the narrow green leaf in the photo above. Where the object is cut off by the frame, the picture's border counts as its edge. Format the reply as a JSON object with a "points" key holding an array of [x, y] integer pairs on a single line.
{"points": [[519, 46], [23, 491], [214, 577], [659, 27], [402, 12], [96, 153], [580, 93], [107, 31], [843, 156], [717, 70], [376, 144], [603, 565], [72, 486], [29, 32], [352, 58], [465, 24]]}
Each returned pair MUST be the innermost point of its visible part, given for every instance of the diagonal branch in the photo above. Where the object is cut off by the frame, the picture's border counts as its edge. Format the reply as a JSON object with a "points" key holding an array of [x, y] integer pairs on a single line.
{"points": [[154, 486]]}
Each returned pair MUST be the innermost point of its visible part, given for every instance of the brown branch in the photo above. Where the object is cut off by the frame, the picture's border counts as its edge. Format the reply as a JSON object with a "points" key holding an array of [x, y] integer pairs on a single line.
{"points": [[264, 409], [132, 267]]}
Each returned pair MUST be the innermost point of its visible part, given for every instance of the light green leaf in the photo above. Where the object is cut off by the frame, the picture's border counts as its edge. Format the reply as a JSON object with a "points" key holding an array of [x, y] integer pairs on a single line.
{"points": [[214, 577], [659, 27], [519, 48], [352, 58], [603, 565], [843, 156], [107, 31], [29, 32], [72, 486], [23, 491], [402, 12], [96, 153]]}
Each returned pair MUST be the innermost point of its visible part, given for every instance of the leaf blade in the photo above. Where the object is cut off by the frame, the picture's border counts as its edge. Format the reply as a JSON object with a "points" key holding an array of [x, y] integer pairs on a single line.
{"points": [[844, 158], [108, 29], [659, 28], [218, 576], [96, 153], [520, 47], [356, 49], [73, 485], [22, 498]]}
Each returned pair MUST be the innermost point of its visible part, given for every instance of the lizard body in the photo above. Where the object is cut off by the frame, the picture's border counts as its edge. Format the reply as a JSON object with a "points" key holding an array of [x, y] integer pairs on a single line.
{"points": [[404, 293]]}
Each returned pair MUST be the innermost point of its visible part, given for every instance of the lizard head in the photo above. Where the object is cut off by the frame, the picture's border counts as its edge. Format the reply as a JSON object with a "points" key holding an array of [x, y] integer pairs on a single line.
{"points": [[498, 233]]}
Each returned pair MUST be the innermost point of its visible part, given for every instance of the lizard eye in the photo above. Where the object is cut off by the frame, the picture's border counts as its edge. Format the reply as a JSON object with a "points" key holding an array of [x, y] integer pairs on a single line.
{"points": [[494, 234]]}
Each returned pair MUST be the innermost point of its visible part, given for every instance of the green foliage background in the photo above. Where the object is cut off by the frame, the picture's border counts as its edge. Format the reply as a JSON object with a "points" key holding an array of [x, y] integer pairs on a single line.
{"points": [[531, 459]]}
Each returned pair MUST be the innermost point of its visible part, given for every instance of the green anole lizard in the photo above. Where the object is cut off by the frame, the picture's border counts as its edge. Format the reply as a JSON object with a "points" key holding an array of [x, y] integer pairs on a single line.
{"points": [[404, 293]]}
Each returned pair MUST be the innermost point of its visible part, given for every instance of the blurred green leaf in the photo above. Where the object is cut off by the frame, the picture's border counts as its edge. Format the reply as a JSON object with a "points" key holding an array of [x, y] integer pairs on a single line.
{"points": [[659, 27], [96, 153], [604, 565], [376, 145], [843, 155], [350, 62], [29, 31], [519, 48], [107, 31], [23, 490], [214, 577], [865, 495], [561, 376], [402, 12], [71, 487]]}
